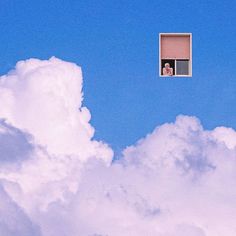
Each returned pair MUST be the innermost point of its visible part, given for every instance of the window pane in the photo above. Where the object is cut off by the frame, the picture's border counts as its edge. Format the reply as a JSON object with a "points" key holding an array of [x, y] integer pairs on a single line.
{"points": [[182, 67]]}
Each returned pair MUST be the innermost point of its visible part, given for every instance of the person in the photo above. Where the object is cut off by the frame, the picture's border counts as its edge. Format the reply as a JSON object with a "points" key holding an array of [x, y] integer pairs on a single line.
{"points": [[167, 70]]}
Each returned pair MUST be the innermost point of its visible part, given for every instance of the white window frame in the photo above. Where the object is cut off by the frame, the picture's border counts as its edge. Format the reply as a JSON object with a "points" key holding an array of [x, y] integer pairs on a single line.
{"points": [[190, 59]]}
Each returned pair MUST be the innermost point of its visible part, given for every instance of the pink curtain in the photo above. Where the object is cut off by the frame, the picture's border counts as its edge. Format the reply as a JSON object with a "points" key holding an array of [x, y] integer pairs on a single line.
{"points": [[175, 47]]}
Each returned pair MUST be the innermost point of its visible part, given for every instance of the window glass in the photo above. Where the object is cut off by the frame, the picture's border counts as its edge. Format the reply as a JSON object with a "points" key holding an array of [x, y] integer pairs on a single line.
{"points": [[182, 67]]}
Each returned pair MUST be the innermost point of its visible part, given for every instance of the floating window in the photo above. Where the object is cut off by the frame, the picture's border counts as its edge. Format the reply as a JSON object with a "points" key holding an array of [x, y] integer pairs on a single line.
{"points": [[175, 54]]}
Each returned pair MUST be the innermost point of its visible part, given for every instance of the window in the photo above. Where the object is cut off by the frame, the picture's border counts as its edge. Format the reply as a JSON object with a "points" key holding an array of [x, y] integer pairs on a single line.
{"points": [[175, 52]]}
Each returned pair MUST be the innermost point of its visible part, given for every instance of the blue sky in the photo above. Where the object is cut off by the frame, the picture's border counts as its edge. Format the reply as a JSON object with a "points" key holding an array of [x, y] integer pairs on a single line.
{"points": [[116, 44]]}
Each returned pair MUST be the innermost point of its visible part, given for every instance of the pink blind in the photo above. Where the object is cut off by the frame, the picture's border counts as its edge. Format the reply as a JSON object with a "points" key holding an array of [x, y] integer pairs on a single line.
{"points": [[175, 47]]}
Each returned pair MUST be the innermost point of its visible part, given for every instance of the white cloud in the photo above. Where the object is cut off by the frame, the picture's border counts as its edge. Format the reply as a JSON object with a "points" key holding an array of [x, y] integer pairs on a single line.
{"points": [[45, 97], [13, 220], [15, 145], [225, 135], [191, 176], [177, 181]]}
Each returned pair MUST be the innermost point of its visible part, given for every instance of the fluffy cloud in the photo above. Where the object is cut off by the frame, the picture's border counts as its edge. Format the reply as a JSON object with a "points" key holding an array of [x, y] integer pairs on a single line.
{"points": [[13, 220], [45, 99], [191, 176], [56, 180], [15, 145]]}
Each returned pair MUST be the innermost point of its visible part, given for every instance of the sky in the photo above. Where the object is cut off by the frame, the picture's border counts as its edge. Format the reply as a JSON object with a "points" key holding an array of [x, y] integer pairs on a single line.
{"points": [[116, 44], [93, 142]]}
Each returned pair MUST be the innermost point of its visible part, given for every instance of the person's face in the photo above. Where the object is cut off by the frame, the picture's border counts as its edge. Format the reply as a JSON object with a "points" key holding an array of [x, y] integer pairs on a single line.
{"points": [[167, 66]]}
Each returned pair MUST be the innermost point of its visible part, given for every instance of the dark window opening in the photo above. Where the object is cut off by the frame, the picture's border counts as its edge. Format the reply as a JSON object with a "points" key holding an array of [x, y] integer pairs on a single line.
{"points": [[171, 62]]}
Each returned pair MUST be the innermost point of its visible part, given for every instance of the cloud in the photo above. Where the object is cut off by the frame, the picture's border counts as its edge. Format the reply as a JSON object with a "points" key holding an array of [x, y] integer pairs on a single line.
{"points": [[13, 220], [191, 173], [15, 145], [179, 180], [226, 136], [44, 97]]}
